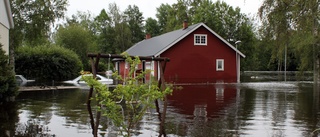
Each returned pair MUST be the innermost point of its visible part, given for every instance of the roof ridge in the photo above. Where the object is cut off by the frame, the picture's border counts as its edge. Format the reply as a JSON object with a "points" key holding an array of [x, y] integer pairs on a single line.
{"points": [[193, 25]]}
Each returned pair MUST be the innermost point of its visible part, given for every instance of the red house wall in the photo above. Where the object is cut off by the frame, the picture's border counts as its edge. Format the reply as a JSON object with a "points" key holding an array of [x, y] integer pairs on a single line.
{"points": [[125, 71], [191, 63]]}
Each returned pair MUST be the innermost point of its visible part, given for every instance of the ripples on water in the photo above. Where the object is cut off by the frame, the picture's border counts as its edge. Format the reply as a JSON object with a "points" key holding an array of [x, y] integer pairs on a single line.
{"points": [[263, 109]]}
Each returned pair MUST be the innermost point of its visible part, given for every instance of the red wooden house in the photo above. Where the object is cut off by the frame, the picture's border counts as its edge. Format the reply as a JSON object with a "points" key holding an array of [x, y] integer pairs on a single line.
{"points": [[197, 55]]}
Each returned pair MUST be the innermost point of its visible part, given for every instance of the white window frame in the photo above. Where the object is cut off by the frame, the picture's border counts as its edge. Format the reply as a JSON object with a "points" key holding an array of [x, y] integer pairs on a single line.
{"points": [[201, 41], [148, 65], [222, 65], [126, 65]]}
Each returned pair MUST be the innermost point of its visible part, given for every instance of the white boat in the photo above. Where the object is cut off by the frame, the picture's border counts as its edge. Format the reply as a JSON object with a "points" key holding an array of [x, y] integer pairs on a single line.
{"points": [[79, 82], [21, 80]]}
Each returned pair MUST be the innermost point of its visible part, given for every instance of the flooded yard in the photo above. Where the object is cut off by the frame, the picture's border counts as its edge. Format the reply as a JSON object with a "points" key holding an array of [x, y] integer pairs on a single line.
{"points": [[262, 105]]}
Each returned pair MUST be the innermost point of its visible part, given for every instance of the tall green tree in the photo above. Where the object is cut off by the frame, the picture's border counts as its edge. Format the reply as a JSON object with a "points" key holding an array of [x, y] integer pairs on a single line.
{"points": [[306, 17], [277, 17], [122, 37], [32, 21], [162, 13], [152, 27], [177, 14], [78, 39], [134, 18], [122, 33], [104, 32], [170, 17], [84, 19], [292, 26]]}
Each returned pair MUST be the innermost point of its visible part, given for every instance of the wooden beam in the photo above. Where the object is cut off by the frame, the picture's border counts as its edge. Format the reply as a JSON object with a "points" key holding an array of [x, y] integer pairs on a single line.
{"points": [[113, 56]]}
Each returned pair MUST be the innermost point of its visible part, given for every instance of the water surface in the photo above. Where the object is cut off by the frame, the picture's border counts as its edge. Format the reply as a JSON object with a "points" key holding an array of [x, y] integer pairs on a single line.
{"points": [[253, 108]]}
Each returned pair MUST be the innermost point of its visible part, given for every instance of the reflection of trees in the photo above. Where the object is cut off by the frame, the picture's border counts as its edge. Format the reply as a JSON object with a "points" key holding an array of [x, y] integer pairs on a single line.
{"points": [[8, 118], [177, 125], [36, 103], [307, 108], [32, 128], [209, 111], [68, 103], [72, 106], [215, 127]]}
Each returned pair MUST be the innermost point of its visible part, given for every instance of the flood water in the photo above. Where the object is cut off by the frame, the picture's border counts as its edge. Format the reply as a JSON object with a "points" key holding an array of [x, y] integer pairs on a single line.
{"points": [[258, 107]]}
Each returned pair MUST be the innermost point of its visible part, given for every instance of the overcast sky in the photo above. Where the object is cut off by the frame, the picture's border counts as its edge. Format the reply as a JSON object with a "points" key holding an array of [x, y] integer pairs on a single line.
{"points": [[148, 7]]}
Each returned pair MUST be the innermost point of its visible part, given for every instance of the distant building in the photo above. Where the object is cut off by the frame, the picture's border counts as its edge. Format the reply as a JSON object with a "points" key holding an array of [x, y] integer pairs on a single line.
{"points": [[197, 55], [6, 23]]}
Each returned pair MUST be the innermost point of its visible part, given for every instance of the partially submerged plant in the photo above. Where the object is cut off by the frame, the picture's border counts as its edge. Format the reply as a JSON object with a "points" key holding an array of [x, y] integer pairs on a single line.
{"points": [[138, 97]]}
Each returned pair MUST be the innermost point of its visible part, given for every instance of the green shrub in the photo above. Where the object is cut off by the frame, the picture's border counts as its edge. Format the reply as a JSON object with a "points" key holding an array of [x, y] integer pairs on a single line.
{"points": [[8, 86], [47, 63], [103, 67]]}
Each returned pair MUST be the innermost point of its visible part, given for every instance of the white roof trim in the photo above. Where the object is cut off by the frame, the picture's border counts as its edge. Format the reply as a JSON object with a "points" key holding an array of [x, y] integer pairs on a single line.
{"points": [[9, 13], [222, 39], [190, 31]]}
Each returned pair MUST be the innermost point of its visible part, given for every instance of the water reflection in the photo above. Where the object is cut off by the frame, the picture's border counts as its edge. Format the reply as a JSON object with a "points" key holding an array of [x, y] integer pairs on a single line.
{"points": [[8, 118], [194, 108], [249, 109], [59, 111], [202, 101], [258, 109]]}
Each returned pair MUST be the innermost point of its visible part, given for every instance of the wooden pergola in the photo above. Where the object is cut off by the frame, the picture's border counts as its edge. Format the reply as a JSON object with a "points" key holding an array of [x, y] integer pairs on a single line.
{"points": [[95, 58]]}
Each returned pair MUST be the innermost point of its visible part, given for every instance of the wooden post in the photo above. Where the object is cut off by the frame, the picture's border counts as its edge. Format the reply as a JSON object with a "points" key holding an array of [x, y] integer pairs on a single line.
{"points": [[98, 115], [165, 103], [89, 99], [143, 70]]}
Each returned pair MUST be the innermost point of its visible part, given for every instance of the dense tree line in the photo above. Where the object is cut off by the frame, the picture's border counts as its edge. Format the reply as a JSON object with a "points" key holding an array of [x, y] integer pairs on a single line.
{"points": [[289, 29]]}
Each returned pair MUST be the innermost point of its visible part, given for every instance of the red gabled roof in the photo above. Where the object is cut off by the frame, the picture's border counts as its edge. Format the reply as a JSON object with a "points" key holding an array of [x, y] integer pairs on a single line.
{"points": [[159, 44]]}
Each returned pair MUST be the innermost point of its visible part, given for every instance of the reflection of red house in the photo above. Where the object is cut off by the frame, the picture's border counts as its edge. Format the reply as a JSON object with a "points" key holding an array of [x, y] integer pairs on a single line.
{"points": [[197, 55], [205, 101]]}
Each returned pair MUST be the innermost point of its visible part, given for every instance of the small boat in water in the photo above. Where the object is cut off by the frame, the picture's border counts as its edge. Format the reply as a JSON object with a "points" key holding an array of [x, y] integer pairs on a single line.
{"points": [[80, 82], [22, 81]]}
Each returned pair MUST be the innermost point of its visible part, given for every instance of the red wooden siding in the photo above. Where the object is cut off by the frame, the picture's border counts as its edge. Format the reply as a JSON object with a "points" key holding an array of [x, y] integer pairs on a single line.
{"points": [[125, 71], [190, 63], [215, 98]]}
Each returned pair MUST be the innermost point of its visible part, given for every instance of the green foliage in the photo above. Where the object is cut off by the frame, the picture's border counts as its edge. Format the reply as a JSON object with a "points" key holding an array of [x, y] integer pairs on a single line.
{"points": [[170, 17], [292, 27], [116, 31], [152, 27], [135, 21], [83, 19], [122, 37], [33, 20], [103, 66], [78, 39], [104, 32], [8, 86], [162, 13], [47, 62], [139, 97]]}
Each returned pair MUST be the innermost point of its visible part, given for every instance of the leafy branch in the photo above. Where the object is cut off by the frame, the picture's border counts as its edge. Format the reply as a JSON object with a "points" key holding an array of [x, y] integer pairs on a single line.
{"points": [[137, 96]]}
